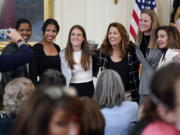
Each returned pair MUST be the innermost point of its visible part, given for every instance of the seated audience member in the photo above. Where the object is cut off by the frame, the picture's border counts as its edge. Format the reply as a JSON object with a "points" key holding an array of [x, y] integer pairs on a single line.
{"points": [[52, 77], [92, 118], [163, 108], [120, 115], [50, 111], [16, 93], [24, 54], [23, 26]]}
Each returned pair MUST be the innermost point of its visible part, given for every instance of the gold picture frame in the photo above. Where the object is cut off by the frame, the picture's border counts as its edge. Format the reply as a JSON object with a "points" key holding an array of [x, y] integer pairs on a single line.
{"points": [[47, 12]]}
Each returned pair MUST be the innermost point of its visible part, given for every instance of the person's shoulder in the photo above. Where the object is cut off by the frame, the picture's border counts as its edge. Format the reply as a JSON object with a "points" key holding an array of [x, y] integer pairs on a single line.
{"points": [[132, 46], [37, 46], [57, 47], [62, 53], [159, 128], [55, 44], [10, 48], [131, 104], [99, 53]]}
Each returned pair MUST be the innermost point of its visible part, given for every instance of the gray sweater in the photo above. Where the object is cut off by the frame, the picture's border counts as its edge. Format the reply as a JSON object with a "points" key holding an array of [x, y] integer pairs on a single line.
{"points": [[149, 65]]}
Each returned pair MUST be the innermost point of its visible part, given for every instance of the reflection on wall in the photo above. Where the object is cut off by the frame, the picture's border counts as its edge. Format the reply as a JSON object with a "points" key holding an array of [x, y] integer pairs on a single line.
{"points": [[32, 10], [8, 14], [12, 10]]}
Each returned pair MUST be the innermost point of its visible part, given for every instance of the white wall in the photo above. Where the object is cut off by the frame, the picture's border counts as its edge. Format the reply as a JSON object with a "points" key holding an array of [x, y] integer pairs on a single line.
{"points": [[95, 16]]}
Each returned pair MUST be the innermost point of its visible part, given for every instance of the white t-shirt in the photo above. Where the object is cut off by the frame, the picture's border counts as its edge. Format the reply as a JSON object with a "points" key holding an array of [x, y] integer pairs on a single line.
{"points": [[79, 75]]}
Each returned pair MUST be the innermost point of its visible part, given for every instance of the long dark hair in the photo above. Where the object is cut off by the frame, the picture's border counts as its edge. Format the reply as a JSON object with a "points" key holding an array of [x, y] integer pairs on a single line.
{"points": [[173, 36], [106, 48], [36, 115], [163, 89]]}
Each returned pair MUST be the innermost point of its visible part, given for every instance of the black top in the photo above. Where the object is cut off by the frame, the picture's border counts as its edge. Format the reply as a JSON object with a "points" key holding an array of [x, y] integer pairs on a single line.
{"points": [[132, 74], [20, 71], [6, 123], [122, 69], [144, 44], [12, 61], [41, 62]]}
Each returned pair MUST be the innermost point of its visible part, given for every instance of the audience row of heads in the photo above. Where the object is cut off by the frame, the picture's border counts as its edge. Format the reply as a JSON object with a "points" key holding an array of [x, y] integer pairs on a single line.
{"points": [[52, 109]]}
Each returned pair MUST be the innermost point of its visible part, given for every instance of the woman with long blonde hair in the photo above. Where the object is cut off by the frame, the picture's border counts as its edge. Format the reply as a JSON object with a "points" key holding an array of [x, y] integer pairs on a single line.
{"points": [[147, 51]]}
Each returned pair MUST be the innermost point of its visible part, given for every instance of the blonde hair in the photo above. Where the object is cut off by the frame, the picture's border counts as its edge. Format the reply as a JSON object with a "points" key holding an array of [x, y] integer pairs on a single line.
{"points": [[155, 24], [16, 92]]}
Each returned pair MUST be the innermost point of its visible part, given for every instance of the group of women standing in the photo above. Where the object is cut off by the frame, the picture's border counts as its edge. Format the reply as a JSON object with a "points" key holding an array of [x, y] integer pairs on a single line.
{"points": [[76, 62], [116, 52], [154, 49], [154, 41]]}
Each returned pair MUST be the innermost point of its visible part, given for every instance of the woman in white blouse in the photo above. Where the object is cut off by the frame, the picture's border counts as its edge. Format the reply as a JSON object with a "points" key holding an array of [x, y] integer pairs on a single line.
{"points": [[76, 62]]}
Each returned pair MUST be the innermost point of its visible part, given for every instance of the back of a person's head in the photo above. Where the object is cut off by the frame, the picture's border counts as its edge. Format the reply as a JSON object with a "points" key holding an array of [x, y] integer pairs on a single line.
{"points": [[163, 84], [164, 90], [52, 77], [92, 119], [109, 89], [35, 117], [16, 93]]}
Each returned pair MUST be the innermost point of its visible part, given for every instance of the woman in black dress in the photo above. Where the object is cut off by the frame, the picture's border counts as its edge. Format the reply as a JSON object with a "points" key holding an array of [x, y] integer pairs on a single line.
{"points": [[46, 52]]}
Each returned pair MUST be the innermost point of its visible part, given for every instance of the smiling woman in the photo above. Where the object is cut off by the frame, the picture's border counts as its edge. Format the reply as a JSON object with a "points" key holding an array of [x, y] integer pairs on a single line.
{"points": [[118, 53], [46, 52], [167, 38], [77, 63], [35, 10]]}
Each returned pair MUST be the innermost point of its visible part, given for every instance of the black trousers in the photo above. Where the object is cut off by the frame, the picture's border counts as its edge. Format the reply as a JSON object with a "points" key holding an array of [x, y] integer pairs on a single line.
{"points": [[84, 89]]}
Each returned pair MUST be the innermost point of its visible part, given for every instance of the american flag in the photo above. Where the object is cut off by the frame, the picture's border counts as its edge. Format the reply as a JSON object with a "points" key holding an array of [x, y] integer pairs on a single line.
{"points": [[139, 5]]}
